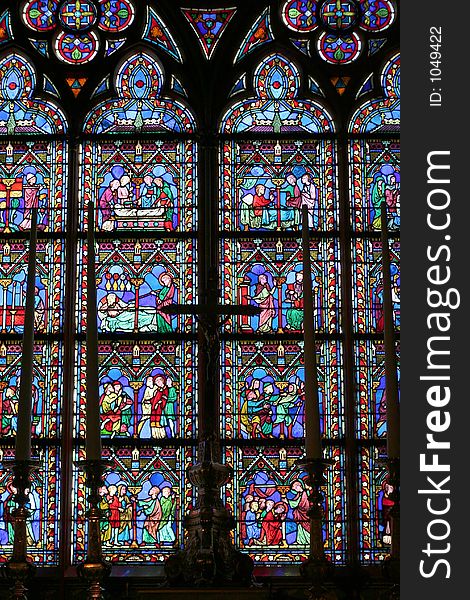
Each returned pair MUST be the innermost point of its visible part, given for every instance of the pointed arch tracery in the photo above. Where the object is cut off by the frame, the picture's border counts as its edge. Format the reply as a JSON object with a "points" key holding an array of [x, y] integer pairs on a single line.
{"points": [[33, 174], [278, 151], [139, 106], [276, 107]]}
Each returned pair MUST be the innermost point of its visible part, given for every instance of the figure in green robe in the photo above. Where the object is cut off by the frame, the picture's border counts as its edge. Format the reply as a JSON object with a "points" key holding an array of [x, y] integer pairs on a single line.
{"points": [[377, 197], [165, 533], [166, 200], [152, 509], [285, 404], [170, 407]]}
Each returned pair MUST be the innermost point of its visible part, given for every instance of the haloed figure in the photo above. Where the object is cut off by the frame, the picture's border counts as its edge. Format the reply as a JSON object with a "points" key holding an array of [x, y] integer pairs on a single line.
{"points": [[264, 298]]}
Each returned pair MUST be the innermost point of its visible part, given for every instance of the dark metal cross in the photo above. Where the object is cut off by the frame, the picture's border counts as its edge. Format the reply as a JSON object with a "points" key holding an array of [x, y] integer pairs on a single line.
{"points": [[211, 316], [209, 320]]}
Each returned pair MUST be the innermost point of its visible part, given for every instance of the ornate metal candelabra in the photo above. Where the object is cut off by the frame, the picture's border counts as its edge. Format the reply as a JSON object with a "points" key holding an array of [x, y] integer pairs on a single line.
{"points": [[19, 568], [94, 569], [317, 569], [391, 565], [209, 557]]}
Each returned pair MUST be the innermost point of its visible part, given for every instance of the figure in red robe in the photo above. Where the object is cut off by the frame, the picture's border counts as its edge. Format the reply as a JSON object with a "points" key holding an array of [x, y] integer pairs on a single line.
{"points": [[158, 402], [114, 513], [271, 525]]}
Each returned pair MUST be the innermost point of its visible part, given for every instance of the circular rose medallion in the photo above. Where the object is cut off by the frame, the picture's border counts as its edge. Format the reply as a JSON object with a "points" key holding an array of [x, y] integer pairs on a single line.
{"points": [[39, 15], [338, 15], [76, 49], [300, 15], [339, 50], [116, 15], [77, 15], [376, 15]]}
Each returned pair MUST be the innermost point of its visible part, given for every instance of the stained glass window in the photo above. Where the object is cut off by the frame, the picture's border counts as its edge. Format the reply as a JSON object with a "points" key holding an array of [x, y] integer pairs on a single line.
{"points": [[136, 483], [374, 178], [265, 178], [208, 25], [269, 497], [33, 174], [145, 192], [259, 34], [190, 162]]}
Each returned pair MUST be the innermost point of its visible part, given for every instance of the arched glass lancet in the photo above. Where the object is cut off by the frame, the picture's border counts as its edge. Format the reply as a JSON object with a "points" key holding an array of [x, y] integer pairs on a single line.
{"points": [[143, 182], [33, 174], [276, 108], [375, 178], [272, 164], [139, 106], [381, 115]]}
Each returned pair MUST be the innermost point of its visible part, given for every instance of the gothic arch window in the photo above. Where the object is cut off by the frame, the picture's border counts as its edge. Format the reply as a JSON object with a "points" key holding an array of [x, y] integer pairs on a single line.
{"points": [[374, 160], [33, 174], [272, 164], [198, 134], [144, 187]]}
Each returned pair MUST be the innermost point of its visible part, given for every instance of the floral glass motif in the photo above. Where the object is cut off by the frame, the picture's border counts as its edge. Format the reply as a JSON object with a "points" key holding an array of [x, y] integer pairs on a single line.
{"points": [[338, 14], [208, 25], [157, 33], [77, 15], [339, 49], [376, 15], [116, 15], [341, 24], [40, 15], [269, 499], [259, 34], [76, 49], [76, 42], [300, 15]]}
